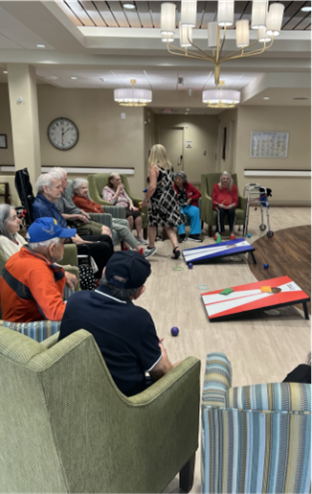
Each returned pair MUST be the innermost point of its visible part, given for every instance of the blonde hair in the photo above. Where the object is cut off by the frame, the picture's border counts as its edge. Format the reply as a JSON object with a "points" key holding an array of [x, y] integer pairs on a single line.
{"points": [[230, 182], [158, 156]]}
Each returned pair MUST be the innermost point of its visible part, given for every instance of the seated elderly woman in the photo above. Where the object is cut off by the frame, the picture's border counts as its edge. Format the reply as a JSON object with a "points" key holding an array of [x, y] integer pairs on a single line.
{"points": [[225, 201], [114, 192], [187, 196], [11, 241], [120, 228]]}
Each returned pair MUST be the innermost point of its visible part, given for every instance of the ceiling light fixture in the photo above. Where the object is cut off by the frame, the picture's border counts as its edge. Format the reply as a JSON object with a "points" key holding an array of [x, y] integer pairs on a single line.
{"points": [[266, 97], [41, 46], [267, 22], [5, 71], [221, 98], [306, 9], [129, 6], [74, 78], [132, 97]]}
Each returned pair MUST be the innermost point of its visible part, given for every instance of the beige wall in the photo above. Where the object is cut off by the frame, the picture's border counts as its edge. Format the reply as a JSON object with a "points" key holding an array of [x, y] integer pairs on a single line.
{"points": [[296, 121], [149, 137], [105, 139], [202, 130]]}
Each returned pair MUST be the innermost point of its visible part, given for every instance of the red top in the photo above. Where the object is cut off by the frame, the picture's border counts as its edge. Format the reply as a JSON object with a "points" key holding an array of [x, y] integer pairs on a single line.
{"points": [[221, 195], [191, 192], [31, 288], [87, 204]]}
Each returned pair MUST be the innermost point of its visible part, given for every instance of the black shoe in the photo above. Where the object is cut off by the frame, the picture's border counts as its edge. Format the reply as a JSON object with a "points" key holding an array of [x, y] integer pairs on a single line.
{"points": [[181, 239], [195, 238]]}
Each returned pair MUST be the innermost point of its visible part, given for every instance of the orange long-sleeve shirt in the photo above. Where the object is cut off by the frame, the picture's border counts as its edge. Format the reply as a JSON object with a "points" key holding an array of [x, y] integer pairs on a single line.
{"points": [[87, 204], [31, 288]]}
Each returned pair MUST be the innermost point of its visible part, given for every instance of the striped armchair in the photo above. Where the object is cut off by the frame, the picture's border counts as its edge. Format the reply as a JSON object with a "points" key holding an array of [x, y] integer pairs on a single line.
{"points": [[256, 438]]}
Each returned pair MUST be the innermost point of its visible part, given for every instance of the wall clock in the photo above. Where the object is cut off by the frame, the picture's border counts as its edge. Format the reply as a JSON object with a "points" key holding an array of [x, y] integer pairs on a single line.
{"points": [[63, 133]]}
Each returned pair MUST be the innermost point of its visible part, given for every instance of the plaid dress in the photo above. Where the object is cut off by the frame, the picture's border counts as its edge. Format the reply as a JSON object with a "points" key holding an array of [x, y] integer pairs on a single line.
{"points": [[163, 208]]}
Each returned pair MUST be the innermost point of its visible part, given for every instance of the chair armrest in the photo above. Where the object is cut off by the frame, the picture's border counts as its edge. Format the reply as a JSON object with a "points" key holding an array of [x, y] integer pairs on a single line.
{"points": [[67, 291], [217, 380], [37, 330], [242, 203], [70, 255], [51, 341], [103, 218], [136, 201], [118, 212]]}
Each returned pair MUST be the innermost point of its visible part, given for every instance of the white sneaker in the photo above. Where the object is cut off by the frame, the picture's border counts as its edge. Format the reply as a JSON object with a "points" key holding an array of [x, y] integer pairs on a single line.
{"points": [[142, 240], [149, 252]]}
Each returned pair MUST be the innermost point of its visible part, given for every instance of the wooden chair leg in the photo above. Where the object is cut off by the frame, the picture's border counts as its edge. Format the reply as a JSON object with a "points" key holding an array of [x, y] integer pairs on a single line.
{"points": [[187, 475], [210, 231]]}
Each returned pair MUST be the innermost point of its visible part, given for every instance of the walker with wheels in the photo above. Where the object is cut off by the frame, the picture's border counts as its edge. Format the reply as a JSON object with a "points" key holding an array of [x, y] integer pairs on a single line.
{"points": [[258, 196]]}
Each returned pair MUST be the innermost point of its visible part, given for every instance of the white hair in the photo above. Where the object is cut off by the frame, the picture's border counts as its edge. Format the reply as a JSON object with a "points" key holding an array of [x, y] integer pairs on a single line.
{"points": [[78, 182], [58, 172], [46, 243], [44, 179]]}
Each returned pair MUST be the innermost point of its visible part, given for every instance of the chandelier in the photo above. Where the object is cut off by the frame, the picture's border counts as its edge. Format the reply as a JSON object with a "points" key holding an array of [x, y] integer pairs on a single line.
{"points": [[267, 22], [221, 98], [133, 96]]}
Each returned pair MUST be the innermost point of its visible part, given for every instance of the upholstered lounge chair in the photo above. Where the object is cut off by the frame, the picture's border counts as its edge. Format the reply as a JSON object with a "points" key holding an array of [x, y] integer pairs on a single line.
{"points": [[65, 427], [255, 439], [207, 213]]}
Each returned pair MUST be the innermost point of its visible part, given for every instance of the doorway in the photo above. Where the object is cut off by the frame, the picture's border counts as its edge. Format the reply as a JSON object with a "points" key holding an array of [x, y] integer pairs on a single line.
{"points": [[172, 139]]}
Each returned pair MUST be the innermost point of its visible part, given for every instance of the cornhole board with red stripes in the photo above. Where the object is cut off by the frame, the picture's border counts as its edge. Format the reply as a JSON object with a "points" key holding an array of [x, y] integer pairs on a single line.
{"points": [[247, 298]]}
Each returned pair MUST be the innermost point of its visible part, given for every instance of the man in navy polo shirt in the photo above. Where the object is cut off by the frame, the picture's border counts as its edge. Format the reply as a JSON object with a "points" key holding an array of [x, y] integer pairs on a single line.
{"points": [[124, 332]]}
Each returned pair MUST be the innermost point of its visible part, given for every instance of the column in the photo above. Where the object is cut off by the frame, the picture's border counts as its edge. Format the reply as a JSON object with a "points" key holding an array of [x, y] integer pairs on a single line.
{"points": [[24, 118]]}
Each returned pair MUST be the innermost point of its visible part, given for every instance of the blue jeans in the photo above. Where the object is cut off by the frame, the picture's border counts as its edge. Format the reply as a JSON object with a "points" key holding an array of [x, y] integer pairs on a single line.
{"points": [[193, 213]]}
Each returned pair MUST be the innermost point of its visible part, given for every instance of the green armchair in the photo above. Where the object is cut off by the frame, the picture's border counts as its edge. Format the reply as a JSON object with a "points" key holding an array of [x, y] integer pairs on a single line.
{"points": [[254, 438], [208, 214], [65, 427], [97, 183]]}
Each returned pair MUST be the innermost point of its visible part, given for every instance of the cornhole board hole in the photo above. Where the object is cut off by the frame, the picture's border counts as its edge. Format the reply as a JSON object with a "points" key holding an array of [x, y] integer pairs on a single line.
{"points": [[247, 298], [208, 253]]}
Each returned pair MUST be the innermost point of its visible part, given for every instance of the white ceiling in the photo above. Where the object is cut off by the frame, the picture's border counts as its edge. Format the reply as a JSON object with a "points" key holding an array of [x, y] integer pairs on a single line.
{"points": [[109, 57]]}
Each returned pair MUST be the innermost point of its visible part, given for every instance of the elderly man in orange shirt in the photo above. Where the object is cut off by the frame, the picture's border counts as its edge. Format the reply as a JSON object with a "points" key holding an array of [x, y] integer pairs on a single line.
{"points": [[32, 284]]}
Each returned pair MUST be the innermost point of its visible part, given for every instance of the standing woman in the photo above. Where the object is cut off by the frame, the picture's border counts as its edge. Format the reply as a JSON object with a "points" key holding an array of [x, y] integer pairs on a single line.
{"points": [[163, 208], [225, 201]]}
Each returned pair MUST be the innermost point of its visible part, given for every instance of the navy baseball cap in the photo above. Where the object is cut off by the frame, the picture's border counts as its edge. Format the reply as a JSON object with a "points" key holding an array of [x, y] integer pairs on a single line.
{"points": [[127, 269], [46, 228]]}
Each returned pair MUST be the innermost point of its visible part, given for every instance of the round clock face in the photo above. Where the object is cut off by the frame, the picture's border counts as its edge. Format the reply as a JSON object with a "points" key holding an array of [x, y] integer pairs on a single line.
{"points": [[63, 133]]}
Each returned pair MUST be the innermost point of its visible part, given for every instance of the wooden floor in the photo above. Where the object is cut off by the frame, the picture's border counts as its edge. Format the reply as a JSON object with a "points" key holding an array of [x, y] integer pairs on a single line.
{"points": [[287, 253], [262, 349]]}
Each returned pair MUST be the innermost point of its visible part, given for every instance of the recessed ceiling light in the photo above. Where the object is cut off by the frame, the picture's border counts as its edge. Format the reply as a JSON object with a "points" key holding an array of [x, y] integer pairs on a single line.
{"points": [[129, 6], [50, 78], [40, 46], [187, 109], [5, 71], [266, 97], [306, 9], [73, 78]]}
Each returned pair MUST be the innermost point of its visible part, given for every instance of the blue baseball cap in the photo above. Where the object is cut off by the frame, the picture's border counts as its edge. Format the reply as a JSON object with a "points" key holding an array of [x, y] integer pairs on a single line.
{"points": [[46, 228], [127, 269]]}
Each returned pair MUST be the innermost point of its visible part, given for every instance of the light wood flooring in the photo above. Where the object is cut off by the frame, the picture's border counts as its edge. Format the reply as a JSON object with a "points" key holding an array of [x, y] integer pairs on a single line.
{"points": [[261, 349]]}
